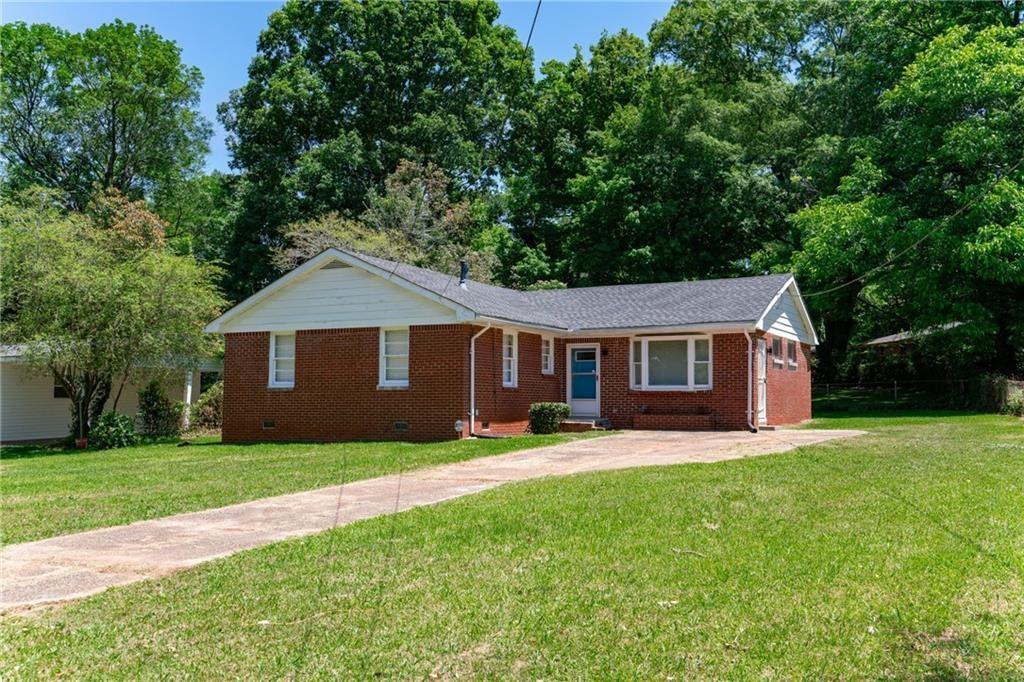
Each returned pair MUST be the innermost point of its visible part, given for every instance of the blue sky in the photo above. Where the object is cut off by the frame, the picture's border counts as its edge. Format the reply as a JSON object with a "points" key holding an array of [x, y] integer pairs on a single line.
{"points": [[220, 37]]}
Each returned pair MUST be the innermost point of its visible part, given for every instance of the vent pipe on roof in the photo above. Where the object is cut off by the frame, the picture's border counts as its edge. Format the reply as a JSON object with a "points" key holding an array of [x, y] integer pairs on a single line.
{"points": [[463, 273]]}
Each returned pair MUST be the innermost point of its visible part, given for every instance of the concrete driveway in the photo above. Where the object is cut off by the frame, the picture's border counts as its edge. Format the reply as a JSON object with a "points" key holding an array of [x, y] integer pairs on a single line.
{"points": [[74, 566]]}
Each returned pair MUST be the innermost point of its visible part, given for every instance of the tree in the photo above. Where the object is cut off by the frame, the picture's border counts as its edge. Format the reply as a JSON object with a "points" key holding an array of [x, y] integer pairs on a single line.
{"points": [[113, 106], [928, 227], [95, 299], [340, 92], [200, 212], [570, 105], [413, 220]]}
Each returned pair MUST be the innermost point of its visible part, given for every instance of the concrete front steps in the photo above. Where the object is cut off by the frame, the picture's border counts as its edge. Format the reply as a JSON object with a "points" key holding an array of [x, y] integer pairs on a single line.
{"points": [[580, 425]]}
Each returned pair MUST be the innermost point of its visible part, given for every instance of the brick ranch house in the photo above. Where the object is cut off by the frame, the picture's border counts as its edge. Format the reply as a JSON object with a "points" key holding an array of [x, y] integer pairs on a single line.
{"points": [[349, 346]]}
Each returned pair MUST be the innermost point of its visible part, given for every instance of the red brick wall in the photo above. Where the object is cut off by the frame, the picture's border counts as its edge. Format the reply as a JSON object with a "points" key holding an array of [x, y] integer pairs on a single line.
{"points": [[789, 390], [336, 396], [726, 402], [506, 410]]}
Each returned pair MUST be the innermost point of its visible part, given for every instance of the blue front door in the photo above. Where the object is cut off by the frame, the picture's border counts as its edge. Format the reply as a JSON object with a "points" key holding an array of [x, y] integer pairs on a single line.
{"points": [[584, 366]]}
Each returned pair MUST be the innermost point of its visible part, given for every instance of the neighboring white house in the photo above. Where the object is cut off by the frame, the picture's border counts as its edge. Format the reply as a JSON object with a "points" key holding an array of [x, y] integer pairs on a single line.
{"points": [[33, 407]]}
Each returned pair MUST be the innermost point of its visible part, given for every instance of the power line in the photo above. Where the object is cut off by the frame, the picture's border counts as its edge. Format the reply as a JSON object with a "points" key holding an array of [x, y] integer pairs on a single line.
{"points": [[941, 223], [529, 36]]}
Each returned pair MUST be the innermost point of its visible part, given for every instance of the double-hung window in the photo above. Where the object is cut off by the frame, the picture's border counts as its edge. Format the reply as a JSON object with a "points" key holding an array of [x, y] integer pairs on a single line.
{"points": [[547, 355], [282, 360], [777, 358], [394, 357], [677, 363], [509, 360], [791, 347]]}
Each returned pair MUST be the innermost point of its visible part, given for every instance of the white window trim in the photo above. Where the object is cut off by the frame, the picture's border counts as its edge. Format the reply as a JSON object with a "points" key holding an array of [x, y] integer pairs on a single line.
{"points": [[382, 380], [795, 345], [550, 340], [690, 361], [515, 359], [777, 358], [271, 369]]}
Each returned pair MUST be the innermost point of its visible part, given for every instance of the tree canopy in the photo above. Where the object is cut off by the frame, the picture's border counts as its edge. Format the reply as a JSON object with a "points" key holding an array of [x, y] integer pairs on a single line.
{"points": [[112, 107], [339, 93], [874, 148]]}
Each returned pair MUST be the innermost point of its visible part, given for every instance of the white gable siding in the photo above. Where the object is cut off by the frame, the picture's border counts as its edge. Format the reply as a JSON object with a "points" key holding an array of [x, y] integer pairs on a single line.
{"points": [[336, 298], [784, 319], [28, 410]]}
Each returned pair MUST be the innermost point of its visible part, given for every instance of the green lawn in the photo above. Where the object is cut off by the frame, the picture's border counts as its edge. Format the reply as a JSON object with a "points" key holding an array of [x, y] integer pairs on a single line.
{"points": [[899, 554], [45, 491]]}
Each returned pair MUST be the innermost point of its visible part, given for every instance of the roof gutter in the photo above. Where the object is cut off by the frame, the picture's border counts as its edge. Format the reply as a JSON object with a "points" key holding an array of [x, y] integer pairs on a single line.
{"points": [[472, 379]]}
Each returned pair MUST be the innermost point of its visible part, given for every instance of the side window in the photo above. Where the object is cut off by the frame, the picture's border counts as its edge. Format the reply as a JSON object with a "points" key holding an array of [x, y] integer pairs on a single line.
{"points": [[282, 360], [509, 360], [777, 358], [791, 348], [394, 357], [547, 355]]}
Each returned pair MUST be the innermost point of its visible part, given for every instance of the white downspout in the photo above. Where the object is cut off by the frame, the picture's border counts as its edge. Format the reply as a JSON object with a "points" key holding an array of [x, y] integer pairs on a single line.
{"points": [[472, 379], [750, 382]]}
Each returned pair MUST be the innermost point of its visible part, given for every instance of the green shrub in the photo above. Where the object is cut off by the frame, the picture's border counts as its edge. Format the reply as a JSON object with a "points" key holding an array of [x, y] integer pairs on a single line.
{"points": [[207, 410], [158, 415], [1015, 404], [545, 417], [113, 430]]}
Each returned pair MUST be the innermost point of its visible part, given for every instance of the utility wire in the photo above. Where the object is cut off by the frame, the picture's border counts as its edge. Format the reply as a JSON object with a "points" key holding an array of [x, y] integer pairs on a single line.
{"points": [[941, 223]]}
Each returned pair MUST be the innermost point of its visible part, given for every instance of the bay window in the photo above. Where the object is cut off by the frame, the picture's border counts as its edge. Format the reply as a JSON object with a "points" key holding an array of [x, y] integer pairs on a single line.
{"points": [[282, 360], [394, 357], [670, 363]]}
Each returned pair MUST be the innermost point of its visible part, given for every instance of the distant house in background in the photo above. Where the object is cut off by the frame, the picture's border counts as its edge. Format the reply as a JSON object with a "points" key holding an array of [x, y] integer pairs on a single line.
{"points": [[349, 346], [906, 338], [33, 407]]}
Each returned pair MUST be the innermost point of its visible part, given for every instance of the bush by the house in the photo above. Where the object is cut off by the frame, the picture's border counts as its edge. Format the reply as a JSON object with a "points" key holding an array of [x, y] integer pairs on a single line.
{"points": [[159, 415], [207, 410], [545, 417], [1015, 404], [113, 430]]}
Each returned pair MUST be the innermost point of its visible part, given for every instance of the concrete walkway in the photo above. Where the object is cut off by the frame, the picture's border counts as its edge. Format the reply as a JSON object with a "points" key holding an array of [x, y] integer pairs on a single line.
{"points": [[74, 566]]}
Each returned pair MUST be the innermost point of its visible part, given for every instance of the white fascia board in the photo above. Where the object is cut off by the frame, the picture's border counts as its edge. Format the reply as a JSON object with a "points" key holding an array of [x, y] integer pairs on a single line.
{"points": [[800, 306], [317, 262]]}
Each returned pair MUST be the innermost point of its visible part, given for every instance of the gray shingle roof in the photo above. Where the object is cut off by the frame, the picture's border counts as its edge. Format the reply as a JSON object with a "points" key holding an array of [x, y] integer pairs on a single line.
{"points": [[667, 304]]}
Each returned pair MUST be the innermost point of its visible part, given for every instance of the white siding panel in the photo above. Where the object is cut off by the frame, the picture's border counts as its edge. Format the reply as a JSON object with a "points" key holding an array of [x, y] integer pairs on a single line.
{"points": [[784, 320], [336, 298], [28, 410]]}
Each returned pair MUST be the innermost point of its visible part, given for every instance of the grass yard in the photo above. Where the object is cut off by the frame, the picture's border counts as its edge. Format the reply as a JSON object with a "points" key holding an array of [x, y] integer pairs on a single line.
{"points": [[894, 555], [46, 491]]}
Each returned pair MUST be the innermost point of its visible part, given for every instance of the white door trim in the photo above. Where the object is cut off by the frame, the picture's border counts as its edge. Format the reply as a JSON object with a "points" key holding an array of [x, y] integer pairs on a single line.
{"points": [[568, 374]]}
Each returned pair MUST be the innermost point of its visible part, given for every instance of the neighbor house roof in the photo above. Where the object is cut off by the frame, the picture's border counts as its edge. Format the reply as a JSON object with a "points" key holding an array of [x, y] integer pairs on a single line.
{"points": [[740, 301], [911, 335]]}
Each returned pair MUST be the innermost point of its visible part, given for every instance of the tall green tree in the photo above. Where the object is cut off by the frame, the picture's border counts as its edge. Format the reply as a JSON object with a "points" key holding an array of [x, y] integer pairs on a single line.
{"points": [[928, 227], [571, 103], [340, 92], [112, 107]]}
